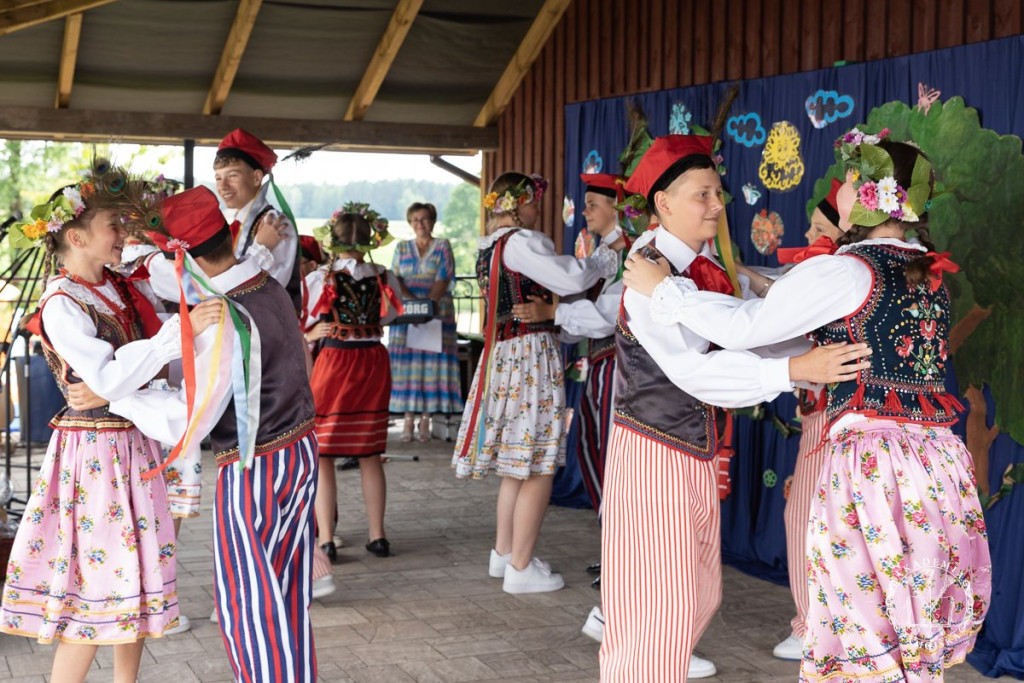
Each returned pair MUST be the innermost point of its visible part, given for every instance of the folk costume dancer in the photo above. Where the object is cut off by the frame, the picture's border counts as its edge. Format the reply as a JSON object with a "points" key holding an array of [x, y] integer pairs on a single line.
{"points": [[260, 422]]}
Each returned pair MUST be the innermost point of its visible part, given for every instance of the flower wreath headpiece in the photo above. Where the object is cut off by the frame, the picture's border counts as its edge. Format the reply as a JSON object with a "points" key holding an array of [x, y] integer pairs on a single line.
{"points": [[52, 215], [879, 196], [517, 195], [379, 235]]}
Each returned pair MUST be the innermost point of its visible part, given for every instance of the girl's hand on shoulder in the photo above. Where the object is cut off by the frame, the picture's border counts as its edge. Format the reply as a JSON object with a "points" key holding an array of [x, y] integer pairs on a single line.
{"points": [[830, 364], [644, 275], [318, 331], [537, 311], [206, 314], [81, 397]]}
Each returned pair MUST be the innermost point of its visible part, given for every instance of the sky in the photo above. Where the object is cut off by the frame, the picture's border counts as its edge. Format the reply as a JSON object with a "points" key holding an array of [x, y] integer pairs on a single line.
{"points": [[327, 167]]}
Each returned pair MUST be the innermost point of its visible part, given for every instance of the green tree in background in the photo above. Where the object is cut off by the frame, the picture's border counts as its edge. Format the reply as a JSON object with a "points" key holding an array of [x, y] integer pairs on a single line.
{"points": [[461, 219]]}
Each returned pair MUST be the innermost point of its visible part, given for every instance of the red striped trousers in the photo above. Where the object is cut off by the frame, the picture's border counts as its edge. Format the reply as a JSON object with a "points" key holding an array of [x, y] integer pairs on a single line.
{"points": [[661, 568], [809, 461]]}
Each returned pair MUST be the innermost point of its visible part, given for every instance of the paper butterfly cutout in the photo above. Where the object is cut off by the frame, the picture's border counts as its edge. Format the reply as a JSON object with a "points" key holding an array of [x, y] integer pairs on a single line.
{"points": [[926, 97]]}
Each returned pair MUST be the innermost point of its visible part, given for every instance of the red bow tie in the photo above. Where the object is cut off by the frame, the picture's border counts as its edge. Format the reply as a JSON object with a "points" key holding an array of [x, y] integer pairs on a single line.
{"points": [[709, 276], [822, 245]]}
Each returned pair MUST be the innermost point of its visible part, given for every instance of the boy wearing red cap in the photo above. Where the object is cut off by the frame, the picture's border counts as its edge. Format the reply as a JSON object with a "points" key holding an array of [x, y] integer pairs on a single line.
{"points": [[257, 229], [263, 511], [661, 482]]}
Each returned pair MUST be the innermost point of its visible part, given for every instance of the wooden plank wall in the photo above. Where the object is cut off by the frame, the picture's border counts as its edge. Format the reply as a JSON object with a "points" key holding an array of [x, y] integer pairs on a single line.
{"points": [[609, 48]]}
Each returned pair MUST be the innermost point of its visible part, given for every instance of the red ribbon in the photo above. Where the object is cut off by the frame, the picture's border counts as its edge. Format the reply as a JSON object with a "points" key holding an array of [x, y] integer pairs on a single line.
{"points": [[144, 307], [388, 298], [188, 363], [327, 297], [822, 245], [709, 277], [235, 228], [940, 263]]}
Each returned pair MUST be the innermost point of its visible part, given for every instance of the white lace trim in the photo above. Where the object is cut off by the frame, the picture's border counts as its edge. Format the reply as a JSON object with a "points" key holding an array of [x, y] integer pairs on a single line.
{"points": [[891, 241], [670, 293], [484, 242], [83, 294]]}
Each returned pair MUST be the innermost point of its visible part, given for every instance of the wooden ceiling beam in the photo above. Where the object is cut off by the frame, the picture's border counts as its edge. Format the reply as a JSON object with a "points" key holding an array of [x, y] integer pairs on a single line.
{"points": [[26, 15], [231, 57], [394, 35], [68, 57], [154, 128], [543, 25]]}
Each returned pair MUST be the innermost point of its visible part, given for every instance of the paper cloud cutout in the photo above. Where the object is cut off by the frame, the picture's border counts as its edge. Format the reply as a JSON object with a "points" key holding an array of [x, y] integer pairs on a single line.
{"points": [[826, 106], [746, 129], [593, 163]]}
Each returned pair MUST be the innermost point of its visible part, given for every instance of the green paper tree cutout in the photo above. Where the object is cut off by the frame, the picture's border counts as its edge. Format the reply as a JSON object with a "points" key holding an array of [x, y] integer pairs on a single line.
{"points": [[978, 216]]}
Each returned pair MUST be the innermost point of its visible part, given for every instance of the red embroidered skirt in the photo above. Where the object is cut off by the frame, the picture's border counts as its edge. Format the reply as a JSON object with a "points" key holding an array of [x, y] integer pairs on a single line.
{"points": [[351, 391]]}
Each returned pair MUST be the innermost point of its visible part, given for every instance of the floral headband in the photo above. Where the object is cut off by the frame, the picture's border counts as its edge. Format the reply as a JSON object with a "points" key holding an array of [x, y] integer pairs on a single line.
{"points": [[379, 235], [879, 196], [519, 194], [52, 216]]}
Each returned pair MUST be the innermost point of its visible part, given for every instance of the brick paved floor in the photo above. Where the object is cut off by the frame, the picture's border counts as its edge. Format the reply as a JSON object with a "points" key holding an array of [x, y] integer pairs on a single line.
{"points": [[430, 613]]}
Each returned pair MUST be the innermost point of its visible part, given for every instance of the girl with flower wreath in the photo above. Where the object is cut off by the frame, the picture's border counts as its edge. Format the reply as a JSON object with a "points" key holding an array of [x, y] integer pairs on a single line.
{"points": [[897, 552], [93, 559], [352, 301], [515, 420]]}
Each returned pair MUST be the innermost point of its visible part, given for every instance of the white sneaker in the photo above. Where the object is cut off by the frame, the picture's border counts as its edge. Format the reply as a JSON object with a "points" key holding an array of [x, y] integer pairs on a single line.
{"points": [[496, 568], [701, 668], [183, 626], [536, 578], [323, 586], [594, 626], [213, 617], [791, 648]]}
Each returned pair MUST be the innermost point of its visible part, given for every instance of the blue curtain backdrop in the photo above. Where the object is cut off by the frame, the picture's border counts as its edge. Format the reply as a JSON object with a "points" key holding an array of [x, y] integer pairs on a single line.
{"points": [[987, 76]]}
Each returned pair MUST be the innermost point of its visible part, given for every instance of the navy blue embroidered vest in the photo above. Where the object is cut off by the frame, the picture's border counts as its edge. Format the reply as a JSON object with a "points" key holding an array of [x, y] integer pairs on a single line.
{"points": [[355, 313], [513, 288], [286, 401], [907, 328], [647, 402]]}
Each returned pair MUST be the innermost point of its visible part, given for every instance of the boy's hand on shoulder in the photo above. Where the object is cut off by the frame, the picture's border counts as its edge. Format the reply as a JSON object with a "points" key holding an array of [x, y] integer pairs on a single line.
{"points": [[643, 275], [273, 228], [206, 314]]}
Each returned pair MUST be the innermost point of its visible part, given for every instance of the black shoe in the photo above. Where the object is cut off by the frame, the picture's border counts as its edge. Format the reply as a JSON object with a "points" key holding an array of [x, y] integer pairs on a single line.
{"points": [[594, 568], [380, 547], [346, 464], [596, 583], [331, 550]]}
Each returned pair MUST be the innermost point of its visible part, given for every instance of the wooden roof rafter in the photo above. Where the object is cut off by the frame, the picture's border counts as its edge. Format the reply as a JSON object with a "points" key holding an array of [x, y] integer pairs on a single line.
{"points": [[394, 35], [155, 128], [16, 15], [231, 57], [533, 42], [68, 57]]}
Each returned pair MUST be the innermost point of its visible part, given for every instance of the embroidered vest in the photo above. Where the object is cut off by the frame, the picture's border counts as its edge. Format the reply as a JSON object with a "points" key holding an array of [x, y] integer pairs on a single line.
{"points": [[648, 403], [286, 401], [513, 288], [110, 330], [907, 329], [355, 312]]}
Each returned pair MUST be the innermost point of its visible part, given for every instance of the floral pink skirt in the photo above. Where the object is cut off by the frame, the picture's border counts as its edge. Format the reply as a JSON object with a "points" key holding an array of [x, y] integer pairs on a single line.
{"points": [[93, 560], [899, 571]]}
